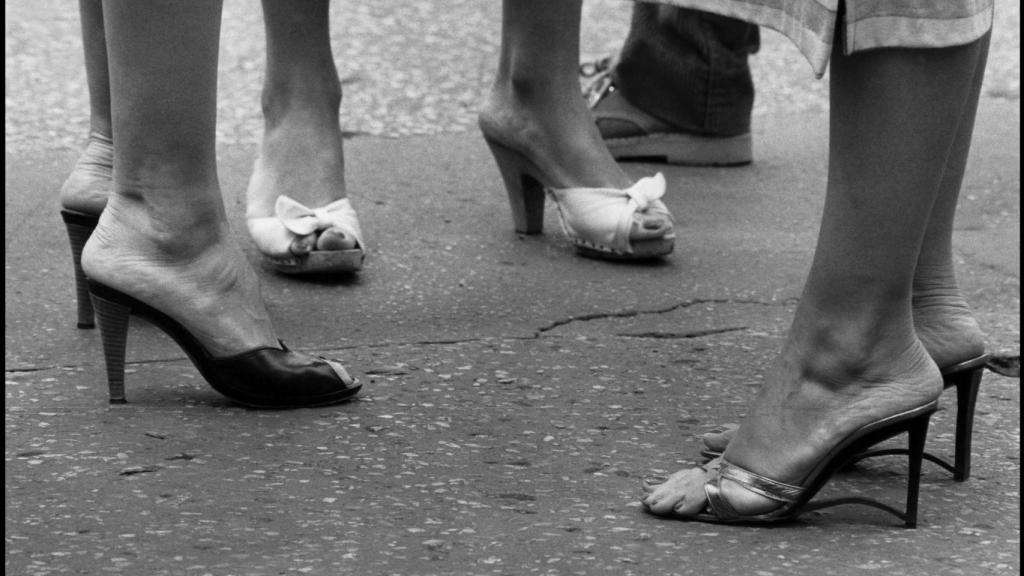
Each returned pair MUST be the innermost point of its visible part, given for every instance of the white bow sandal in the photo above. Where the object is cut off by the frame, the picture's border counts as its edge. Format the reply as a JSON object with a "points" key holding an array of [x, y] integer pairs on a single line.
{"points": [[274, 235], [598, 221]]}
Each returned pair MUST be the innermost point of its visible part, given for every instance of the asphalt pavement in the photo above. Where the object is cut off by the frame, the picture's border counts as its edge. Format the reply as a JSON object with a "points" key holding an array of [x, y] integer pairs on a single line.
{"points": [[515, 393]]}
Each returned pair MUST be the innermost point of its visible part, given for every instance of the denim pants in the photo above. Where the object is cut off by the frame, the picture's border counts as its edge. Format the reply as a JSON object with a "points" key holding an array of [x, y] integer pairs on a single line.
{"points": [[689, 69]]}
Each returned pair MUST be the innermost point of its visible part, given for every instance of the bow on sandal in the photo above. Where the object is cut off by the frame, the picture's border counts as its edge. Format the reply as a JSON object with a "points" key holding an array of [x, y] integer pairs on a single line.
{"points": [[599, 220], [274, 236]]}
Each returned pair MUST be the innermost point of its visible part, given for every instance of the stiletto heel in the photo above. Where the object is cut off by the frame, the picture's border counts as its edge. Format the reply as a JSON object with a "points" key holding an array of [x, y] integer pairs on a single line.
{"points": [[598, 221], [966, 378], [113, 319], [80, 226], [264, 377], [917, 436], [795, 499], [525, 192]]}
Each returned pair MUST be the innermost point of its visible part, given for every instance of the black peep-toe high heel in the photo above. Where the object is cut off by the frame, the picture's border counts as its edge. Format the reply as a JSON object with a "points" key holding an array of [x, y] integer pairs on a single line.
{"points": [[260, 378]]}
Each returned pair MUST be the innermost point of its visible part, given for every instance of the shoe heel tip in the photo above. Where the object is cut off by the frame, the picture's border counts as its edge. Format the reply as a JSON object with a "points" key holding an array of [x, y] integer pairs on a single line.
{"points": [[117, 401], [529, 230], [86, 325]]}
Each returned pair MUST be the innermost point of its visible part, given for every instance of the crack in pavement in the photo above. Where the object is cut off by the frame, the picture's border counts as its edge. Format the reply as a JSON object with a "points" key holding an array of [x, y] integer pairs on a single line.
{"points": [[682, 335], [15, 372], [537, 334], [634, 312]]}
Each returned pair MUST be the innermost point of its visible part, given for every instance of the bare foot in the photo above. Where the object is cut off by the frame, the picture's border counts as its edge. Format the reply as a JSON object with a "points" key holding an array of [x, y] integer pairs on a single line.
{"points": [[943, 322], [814, 398], [301, 157], [199, 278], [942, 318], [90, 182], [716, 441], [680, 494]]}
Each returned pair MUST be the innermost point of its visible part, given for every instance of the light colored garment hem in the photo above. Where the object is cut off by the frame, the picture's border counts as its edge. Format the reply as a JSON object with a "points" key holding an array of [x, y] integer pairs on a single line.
{"points": [[877, 32], [811, 25]]}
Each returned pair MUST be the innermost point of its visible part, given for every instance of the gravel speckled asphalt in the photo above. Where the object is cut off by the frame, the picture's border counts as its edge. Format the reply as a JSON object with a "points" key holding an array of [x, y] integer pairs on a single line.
{"points": [[514, 393], [410, 67]]}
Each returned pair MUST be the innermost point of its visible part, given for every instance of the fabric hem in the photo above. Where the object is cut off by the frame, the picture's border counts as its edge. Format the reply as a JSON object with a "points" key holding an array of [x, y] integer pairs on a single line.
{"points": [[796, 21], [903, 32]]}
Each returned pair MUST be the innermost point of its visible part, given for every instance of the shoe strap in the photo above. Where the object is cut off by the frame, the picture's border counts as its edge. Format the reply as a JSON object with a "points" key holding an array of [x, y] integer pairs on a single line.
{"points": [[604, 216], [597, 88], [597, 76], [974, 363], [750, 481]]}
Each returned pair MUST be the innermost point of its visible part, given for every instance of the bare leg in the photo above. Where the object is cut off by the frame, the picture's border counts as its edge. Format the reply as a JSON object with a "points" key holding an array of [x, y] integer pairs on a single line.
{"points": [[88, 185], [164, 238], [852, 355], [301, 155], [941, 315], [535, 106], [942, 318]]}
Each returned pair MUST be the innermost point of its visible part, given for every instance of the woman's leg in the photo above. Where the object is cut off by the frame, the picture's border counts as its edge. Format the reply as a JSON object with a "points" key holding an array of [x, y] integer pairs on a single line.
{"points": [[535, 106], [301, 155], [852, 355], [164, 238], [88, 185], [942, 317]]}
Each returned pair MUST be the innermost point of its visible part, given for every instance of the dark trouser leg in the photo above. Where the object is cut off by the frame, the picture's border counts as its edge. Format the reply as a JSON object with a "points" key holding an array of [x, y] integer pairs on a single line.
{"points": [[689, 69]]}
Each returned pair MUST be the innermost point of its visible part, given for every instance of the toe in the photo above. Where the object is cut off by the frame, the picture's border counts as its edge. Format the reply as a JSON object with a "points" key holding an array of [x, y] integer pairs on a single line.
{"points": [[303, 245], [694, 502], [342, 373], [718, 440], [682, 494], [665, 498], [335, 239], [649, 483], [662, 500], [650, 226], [654, 223], [691, 484]]}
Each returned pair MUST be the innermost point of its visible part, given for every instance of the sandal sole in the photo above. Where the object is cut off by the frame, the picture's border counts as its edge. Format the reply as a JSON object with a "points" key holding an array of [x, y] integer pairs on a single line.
{"points": [[319, 262]]}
